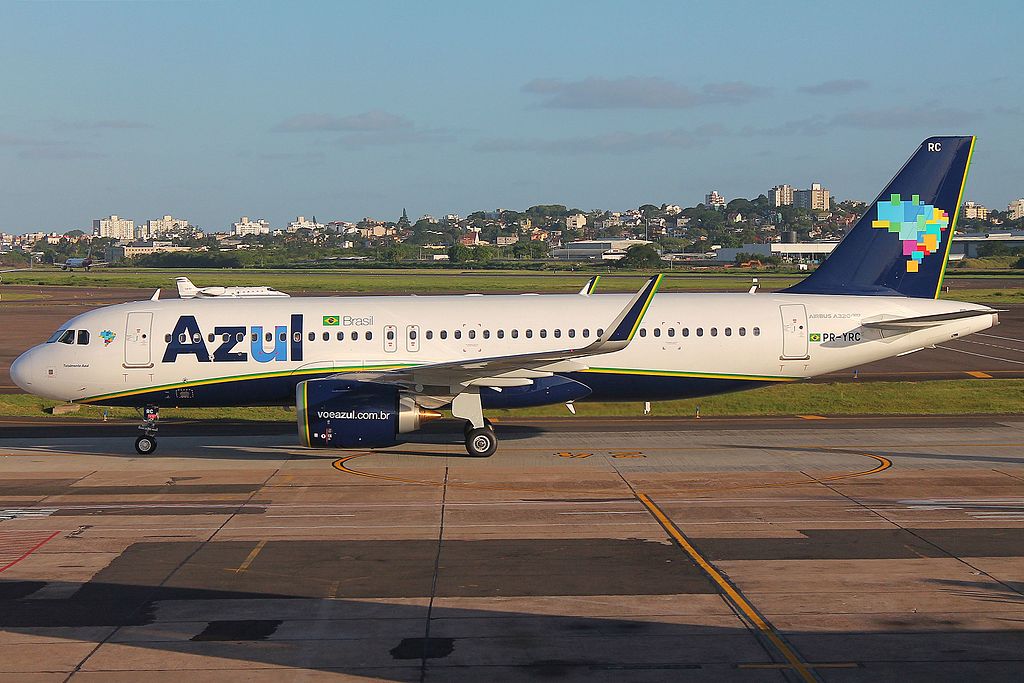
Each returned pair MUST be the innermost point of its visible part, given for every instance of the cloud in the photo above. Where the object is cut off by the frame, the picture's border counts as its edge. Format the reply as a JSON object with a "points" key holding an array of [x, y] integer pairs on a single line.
{"points": [[13, 140], [606, 143], [58, 154], [109, 124], [635, 92], [926, 115], [369, 121], [839, 86]]}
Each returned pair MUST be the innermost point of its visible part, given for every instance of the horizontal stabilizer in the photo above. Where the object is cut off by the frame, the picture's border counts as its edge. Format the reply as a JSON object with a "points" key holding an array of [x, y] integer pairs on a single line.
{"points": [[922, 321]]}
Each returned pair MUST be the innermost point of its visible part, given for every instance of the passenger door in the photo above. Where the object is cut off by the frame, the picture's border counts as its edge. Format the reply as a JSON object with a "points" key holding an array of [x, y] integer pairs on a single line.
{"points": [[794, 331], [137, 340]]}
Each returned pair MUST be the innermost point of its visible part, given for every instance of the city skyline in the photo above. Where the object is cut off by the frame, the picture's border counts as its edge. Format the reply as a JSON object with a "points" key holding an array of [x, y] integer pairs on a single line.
{"points": [[215, 111]]}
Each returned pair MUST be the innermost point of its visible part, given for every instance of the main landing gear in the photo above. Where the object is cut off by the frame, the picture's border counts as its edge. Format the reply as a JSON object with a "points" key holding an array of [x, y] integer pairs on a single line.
{"points": [[480, 439], [146, 444]]}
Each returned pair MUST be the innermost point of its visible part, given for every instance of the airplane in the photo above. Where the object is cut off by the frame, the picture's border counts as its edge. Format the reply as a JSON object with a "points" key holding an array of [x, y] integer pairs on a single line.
{"points": [[187, 290], [87, 263], [363, 371]]}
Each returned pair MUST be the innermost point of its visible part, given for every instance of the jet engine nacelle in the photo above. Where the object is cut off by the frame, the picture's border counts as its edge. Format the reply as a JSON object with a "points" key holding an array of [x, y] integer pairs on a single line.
{"points": [[341, 414]]}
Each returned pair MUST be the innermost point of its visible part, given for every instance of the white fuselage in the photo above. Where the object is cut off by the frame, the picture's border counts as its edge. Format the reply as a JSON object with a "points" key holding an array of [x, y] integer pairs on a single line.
{"points": [[134, 348]]}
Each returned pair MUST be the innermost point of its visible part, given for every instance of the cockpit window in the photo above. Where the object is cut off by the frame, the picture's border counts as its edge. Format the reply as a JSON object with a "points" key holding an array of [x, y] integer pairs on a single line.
{"points": [[56, 335], [83, 337], [68, 337]]}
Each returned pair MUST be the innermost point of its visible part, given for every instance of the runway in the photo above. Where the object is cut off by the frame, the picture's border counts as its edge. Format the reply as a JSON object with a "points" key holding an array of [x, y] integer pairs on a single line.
{"points": [[849, 549]]}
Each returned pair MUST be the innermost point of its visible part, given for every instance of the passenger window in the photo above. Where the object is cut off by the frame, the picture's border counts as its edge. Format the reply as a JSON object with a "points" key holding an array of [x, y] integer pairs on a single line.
{"points": [[686, 331], [657, 331], [283, 336], [529, 334], [586, 333], [444, 334], [252, 336], [83, 337], [412, 335], [270, 336], [643, 331], [472, 334], [296, 336], [558, 334], [327, 336], [167, 338], [501, 334], [369, 335], [458, 334], [714, 331], [700, 331], [671, 331], [487, 334], [572, 333], [390, 335], [430, 334], [225, 337], [340, 336], [757, 331], [355, 335], [515, 334], [743, 331], [196, 337], [239, 336], [210, 337], [728, 332], [312, 336], [543, 334], [599, 332]]}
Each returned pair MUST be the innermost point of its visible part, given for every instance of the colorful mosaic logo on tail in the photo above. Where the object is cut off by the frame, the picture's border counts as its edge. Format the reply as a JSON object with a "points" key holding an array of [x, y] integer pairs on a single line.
{"points": [[920, 227]]}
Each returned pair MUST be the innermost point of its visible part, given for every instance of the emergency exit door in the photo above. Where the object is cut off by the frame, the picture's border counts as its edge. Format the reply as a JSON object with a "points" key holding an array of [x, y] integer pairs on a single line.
{"points": [[794, 331], [138, 341]]}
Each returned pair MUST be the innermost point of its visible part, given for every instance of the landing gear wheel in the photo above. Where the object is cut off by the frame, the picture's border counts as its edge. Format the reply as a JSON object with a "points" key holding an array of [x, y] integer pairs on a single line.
{"points": [[468, 427], [144, 445], [481, 442]]}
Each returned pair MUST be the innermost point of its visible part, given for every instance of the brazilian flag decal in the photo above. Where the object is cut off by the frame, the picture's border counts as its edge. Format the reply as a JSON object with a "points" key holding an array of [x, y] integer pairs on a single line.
{"points": [[331, 321], [815, 336]]}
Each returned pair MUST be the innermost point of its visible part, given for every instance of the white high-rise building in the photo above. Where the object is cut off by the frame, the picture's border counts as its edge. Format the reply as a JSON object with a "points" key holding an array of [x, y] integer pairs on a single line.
{"points": [[113, 226], [714, 200], [1016, 209], [576, 221], [300, 223], [781, 195], [244, 227], [158, 226]]}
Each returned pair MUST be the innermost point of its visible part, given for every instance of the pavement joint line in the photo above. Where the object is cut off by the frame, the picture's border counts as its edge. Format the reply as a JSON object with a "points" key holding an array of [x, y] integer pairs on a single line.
{"points": [[247, 562], [433, 581], [731, 593]]}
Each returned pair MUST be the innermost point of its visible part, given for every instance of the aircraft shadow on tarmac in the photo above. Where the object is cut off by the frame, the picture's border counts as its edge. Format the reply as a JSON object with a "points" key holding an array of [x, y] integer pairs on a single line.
{"points": [[270, 446], [388, 640]]}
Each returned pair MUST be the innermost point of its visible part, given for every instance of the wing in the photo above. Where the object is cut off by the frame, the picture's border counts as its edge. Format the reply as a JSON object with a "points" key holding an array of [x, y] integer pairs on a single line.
{"points": [[518, 369]]}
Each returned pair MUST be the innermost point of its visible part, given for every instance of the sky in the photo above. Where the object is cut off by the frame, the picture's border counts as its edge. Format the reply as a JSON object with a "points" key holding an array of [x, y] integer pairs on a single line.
{"points": [[213, 110]]}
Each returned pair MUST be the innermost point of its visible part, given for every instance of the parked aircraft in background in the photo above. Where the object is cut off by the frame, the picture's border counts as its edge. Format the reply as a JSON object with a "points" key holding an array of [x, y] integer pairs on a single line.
{"points": [[187, 290], [364, 370], [87, 263]]}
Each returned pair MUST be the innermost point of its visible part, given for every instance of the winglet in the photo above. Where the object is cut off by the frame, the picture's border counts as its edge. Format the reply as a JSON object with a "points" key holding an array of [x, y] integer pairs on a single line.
{"points": [[591, 285], [623, 328]]}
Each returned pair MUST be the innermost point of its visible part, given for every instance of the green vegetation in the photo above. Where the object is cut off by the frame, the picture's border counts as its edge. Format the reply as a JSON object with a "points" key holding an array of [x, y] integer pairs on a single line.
{"points": [[967, 396]]}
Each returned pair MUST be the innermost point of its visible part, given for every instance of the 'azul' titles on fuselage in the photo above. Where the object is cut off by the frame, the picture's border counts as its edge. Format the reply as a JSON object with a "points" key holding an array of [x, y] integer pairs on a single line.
{"points": [[265, 344]]}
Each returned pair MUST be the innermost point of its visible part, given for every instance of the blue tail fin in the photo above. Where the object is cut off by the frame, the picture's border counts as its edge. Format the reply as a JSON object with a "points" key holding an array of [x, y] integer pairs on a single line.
{"points": [[901, 243]]}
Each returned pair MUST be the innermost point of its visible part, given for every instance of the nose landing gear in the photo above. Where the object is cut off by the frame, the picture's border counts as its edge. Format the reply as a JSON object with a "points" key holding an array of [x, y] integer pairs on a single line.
{"points": [[146, 444]]}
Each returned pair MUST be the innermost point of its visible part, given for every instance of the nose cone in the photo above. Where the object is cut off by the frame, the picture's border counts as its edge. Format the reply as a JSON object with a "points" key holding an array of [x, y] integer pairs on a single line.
{"points": [[21, 371]]}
